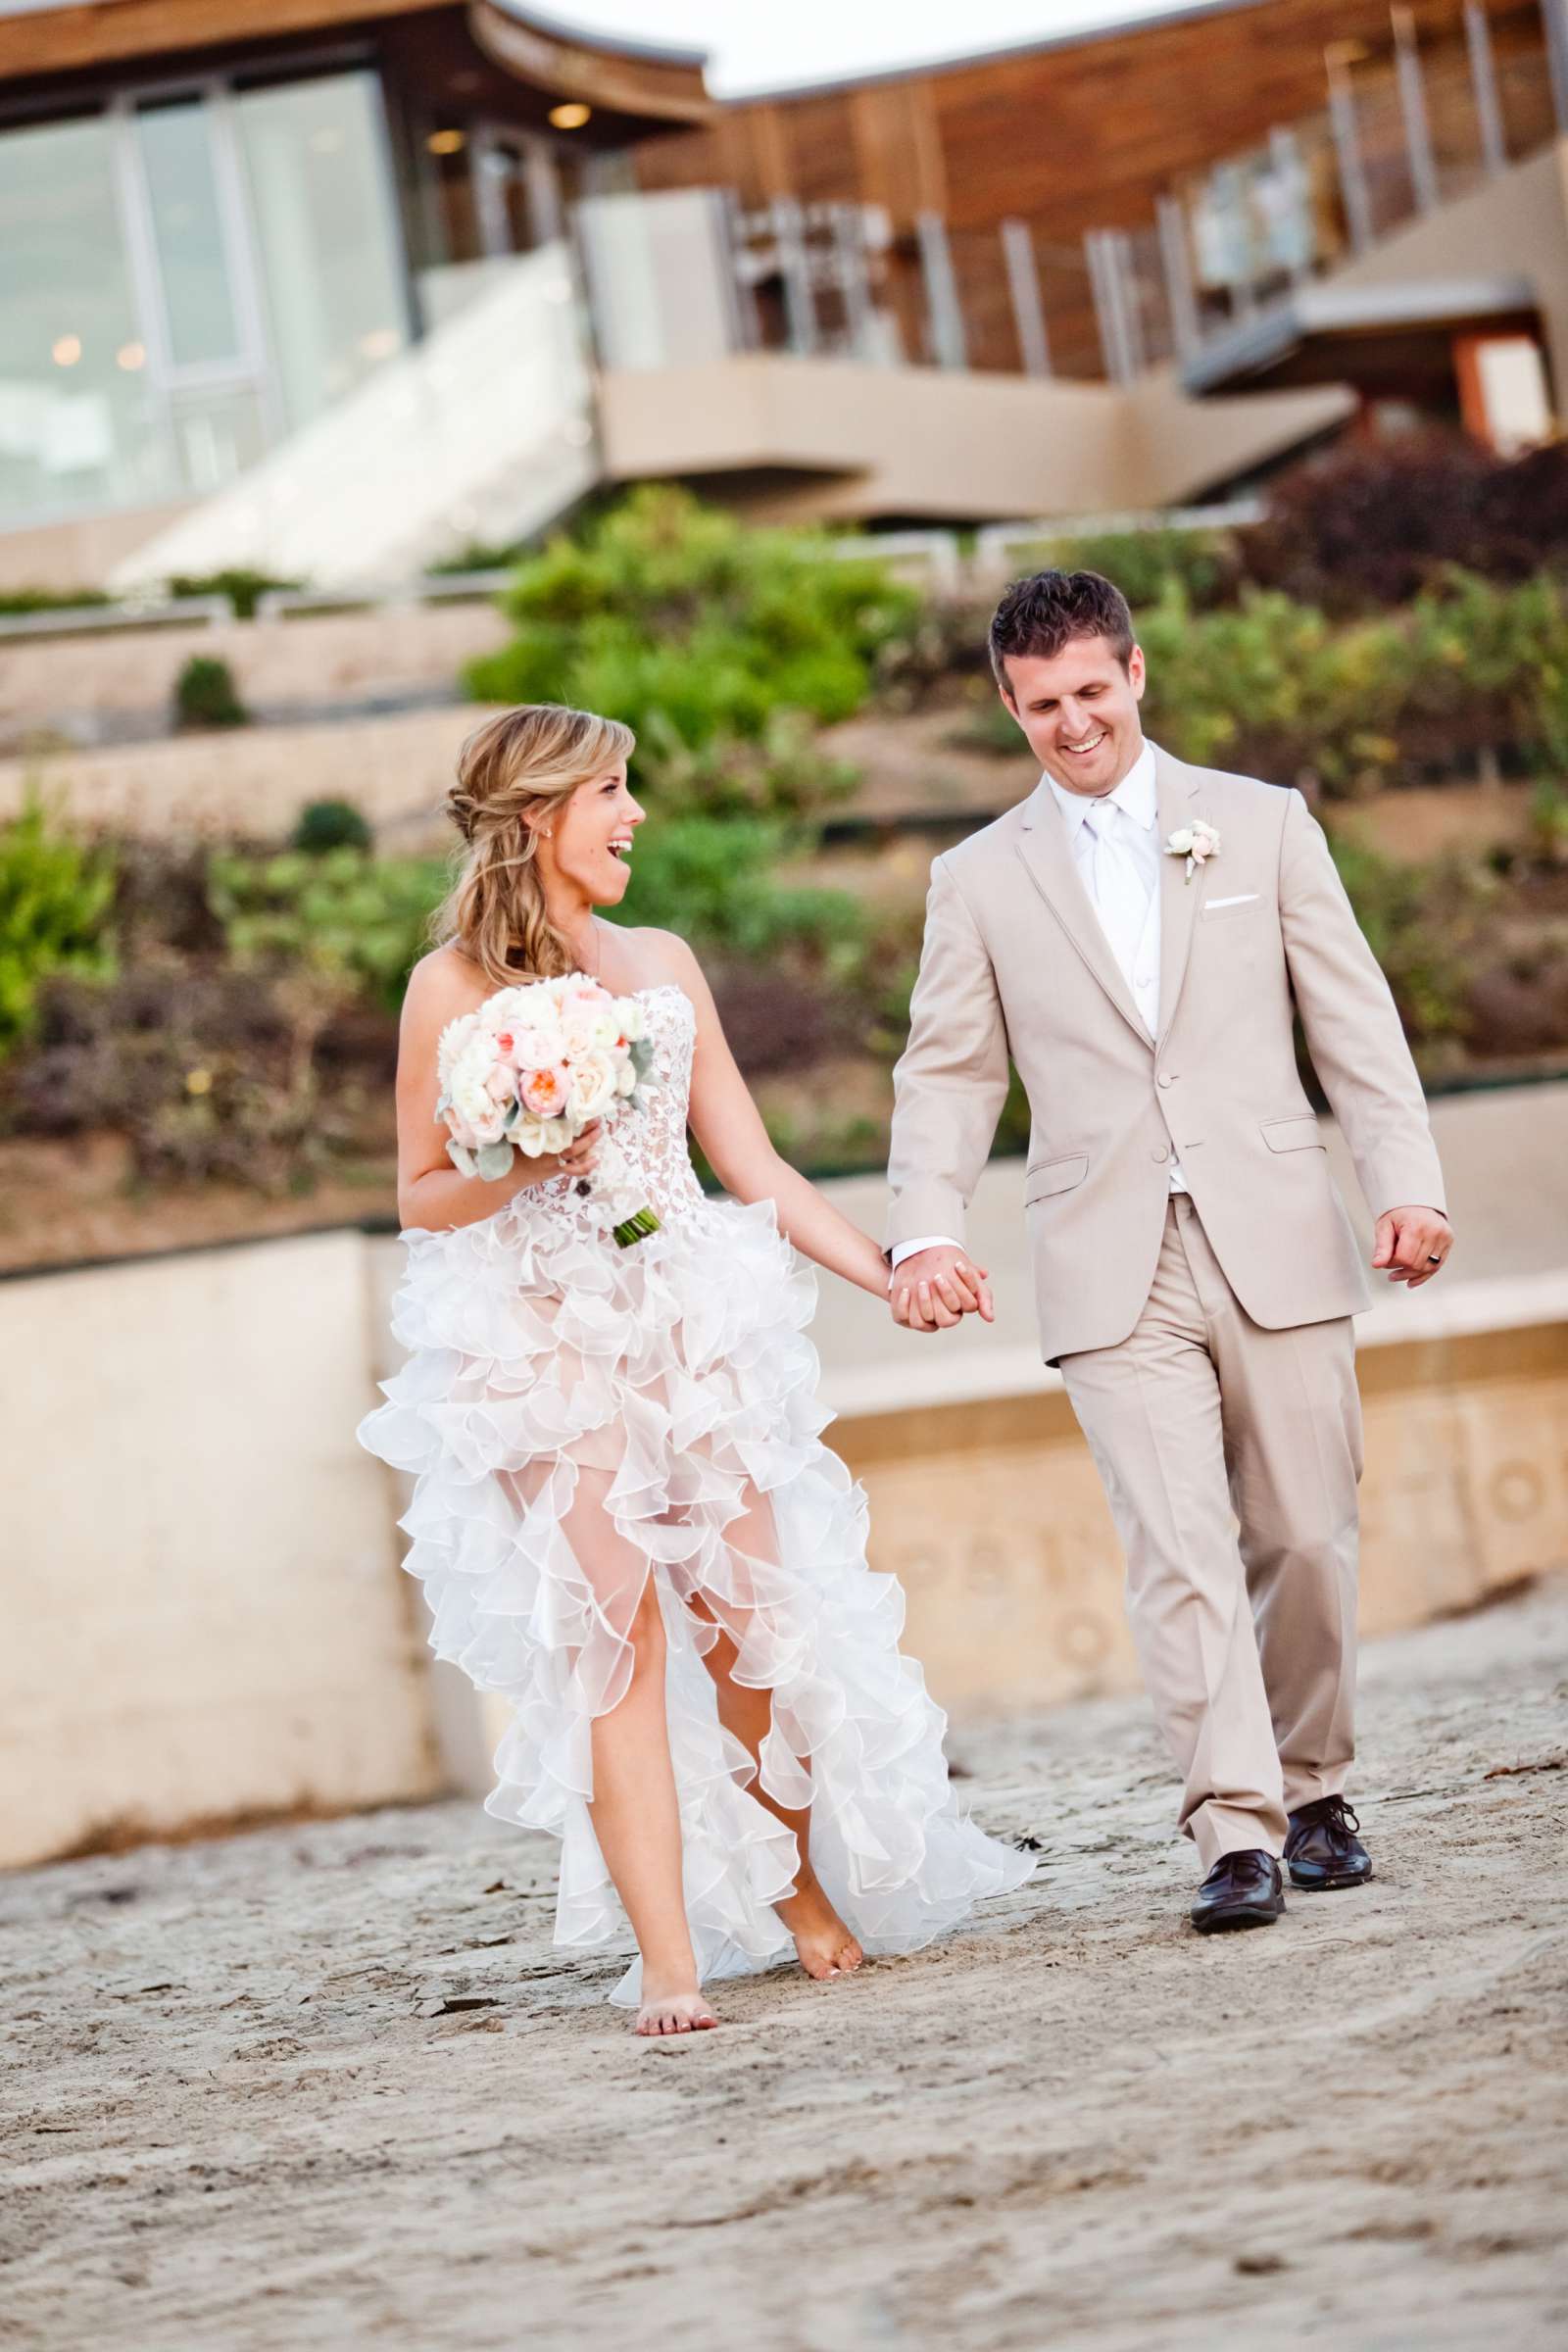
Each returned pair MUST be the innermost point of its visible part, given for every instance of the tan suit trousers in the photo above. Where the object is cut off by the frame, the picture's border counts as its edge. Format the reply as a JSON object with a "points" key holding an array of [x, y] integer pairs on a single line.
{"points": [[1201, 1420]]}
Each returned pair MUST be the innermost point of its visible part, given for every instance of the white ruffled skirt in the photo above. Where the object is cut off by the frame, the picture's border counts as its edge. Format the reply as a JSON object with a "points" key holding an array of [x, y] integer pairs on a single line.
{"points": [[580, 1418]]}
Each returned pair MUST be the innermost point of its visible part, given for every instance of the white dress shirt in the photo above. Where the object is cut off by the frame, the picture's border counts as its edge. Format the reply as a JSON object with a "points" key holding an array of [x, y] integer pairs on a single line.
{"points": [[1114, 839]]}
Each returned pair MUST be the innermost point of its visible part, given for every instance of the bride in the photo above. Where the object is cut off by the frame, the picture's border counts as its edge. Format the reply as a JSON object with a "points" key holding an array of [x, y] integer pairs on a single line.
{"points": [[625, 1520]]}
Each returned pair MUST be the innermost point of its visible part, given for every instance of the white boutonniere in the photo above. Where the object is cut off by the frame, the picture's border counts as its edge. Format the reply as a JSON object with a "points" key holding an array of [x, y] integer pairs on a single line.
{"points": [[1198, 843]]}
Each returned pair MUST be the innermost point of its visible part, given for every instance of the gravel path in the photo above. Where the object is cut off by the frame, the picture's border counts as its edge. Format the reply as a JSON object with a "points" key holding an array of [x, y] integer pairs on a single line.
{"points": [[328, 2085]]}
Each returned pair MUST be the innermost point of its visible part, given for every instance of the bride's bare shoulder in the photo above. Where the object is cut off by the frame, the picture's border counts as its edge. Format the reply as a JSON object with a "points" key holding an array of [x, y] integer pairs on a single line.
{"points": [[442, 985], [660, 955]]}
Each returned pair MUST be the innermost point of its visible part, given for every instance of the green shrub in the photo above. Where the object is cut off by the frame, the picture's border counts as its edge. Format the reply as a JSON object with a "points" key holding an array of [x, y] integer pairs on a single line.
{"points": [[1277, 689], [1424, 925], [49, 600], [205, 696], [479, 554], [1548, 823], [713, 880], [345, 919], [229, 1074], [55, 898], [989, 726], [1202, 566], [692, 627], [782, 774], [243, 588], [324, 826]]}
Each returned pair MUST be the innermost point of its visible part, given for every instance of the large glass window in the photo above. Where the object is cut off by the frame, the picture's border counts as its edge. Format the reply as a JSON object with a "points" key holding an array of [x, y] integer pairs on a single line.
{"points": [[326, 234], [175, 147], [184, 280], [80, 421]]}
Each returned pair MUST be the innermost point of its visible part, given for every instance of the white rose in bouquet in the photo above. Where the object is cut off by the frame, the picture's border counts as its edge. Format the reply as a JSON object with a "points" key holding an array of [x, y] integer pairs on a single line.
{"points": [[531, 1067], [468, 1089], [593, 1085]]}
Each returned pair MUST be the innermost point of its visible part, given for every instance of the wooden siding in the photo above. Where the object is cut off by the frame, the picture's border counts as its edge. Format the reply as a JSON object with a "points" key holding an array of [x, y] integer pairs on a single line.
{"points": [[1075, 135]]}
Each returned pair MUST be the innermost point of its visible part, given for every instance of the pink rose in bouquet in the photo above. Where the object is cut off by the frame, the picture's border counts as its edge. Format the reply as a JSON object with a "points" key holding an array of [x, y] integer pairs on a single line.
{"points": [[534, 1066]]}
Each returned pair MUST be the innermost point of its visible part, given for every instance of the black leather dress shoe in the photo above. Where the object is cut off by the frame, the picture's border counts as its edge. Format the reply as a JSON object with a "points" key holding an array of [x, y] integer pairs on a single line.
{"points": [[1241, 1891], [1322, 1849]]}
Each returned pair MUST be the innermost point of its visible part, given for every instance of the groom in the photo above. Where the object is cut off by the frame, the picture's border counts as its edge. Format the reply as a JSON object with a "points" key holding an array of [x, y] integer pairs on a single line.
{"points": [[1139, 937]]}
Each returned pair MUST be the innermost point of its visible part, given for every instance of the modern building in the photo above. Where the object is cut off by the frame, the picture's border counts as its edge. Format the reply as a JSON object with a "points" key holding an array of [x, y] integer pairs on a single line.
{"points": [[345, 292], [219, 221]]}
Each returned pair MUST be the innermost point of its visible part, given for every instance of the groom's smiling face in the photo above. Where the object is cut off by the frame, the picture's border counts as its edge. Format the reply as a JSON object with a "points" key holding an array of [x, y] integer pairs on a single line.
{"points": [[1079, 711]]}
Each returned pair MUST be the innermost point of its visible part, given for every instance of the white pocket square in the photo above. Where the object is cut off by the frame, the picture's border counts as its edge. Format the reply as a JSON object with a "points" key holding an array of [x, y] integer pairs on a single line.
{"points": [[1243, 898]]}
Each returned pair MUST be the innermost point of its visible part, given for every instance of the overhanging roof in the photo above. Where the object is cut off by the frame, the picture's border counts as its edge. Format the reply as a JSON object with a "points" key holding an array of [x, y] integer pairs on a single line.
{"points": [[652, 82], [1331, 314]]}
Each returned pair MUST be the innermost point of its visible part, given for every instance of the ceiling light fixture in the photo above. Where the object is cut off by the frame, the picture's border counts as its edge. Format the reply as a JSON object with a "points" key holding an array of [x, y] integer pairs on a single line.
{"points": [[447, 142], [571, 117]]}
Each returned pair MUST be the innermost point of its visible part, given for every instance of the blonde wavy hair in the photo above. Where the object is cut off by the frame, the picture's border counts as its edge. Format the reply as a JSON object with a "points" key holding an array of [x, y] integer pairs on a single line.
{"points": [[524, 764]]}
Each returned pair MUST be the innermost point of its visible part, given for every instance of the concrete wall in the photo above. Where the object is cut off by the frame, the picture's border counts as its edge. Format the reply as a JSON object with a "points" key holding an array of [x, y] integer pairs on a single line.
{"points": [[827, 440], [868, 441], [79, 552], [76, 685], [205, 1616], [254, 781], [990, 1514], [201, 1564]]}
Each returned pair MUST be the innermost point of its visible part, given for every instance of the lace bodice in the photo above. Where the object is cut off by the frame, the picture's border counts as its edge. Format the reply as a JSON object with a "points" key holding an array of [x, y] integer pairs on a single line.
{"points": [[652, 1141]]}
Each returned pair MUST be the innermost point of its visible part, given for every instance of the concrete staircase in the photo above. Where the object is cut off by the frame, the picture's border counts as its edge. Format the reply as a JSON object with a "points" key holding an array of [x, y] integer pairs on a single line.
{"points": [[484, 430]]}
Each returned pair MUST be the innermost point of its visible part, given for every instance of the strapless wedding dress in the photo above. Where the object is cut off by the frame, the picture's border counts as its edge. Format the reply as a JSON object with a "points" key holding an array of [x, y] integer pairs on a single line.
{"points": [[580, 1417]]}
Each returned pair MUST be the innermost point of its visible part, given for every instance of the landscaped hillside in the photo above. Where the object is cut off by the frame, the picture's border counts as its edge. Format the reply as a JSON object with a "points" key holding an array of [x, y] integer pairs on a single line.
{"points": [[198, 1035]]}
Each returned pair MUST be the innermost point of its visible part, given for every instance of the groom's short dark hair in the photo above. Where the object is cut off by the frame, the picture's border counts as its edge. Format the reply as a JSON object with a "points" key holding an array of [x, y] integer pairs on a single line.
{"points": [[1042, 614]]}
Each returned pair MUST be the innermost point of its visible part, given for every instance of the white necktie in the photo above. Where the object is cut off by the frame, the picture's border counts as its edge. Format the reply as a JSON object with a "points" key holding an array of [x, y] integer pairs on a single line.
{"points": [[1120, 898]]}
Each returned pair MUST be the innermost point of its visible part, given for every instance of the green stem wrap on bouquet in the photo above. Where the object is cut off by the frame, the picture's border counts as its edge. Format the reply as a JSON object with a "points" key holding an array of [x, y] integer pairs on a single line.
{"points": [[635, 1229]]}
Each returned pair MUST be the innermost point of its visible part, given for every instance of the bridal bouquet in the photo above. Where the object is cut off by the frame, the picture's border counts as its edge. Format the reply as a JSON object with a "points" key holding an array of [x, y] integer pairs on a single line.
{"points": [[535, 1066]]}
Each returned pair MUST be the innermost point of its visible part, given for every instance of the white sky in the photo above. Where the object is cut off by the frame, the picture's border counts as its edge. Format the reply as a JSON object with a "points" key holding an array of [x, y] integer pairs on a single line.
{"points": [[770, 44]]}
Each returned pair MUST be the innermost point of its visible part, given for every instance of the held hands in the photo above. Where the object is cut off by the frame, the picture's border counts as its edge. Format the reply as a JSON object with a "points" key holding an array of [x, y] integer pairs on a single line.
{"points": [[937, 1288], [1412, 1244]]}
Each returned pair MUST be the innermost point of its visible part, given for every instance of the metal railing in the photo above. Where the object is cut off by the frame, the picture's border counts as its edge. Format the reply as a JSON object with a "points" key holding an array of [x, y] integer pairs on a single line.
{"points": [[948, 562], [75, 620], [1401, 131]]}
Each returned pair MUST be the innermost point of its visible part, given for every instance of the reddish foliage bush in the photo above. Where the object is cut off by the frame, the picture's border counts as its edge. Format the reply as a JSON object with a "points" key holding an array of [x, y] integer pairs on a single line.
{"points": [[775, 1021], [1371, 523]]}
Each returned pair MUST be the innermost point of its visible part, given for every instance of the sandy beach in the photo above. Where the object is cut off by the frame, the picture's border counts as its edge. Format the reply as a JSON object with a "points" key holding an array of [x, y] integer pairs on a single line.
{"points": [[327, 2083]]}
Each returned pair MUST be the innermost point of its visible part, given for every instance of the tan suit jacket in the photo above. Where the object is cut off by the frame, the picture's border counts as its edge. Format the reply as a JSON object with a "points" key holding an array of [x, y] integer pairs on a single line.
{"points": [[1016, 963]]}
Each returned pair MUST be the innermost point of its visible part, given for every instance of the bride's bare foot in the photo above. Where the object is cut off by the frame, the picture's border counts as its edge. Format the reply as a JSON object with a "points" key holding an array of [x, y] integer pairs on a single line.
{"points": [[825, 1943], [675, 2012]]}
